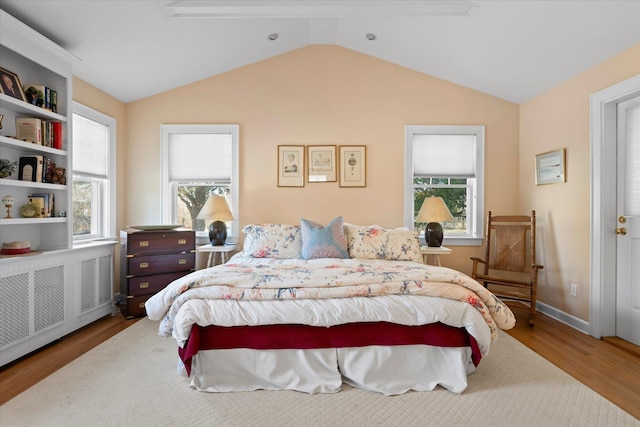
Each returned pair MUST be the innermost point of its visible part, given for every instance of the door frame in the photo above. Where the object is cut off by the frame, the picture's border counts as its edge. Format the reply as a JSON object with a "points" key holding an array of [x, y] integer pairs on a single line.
{"points": [[602, 316]]}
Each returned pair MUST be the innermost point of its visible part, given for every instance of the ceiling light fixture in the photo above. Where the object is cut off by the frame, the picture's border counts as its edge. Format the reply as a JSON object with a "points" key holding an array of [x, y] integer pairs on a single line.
{"points": [[371, 36], [316, 9], [273, 36]]}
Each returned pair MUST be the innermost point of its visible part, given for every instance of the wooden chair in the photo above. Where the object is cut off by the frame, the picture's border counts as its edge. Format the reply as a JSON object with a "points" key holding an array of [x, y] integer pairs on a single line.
{"points": [[509, 268]]}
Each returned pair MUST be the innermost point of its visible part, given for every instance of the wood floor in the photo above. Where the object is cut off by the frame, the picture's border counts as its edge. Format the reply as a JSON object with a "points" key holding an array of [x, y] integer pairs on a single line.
{"points": [[610, 367]]}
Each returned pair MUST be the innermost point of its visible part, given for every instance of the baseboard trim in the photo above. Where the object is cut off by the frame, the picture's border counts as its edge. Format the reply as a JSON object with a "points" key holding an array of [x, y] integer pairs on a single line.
{"points": [[563, 317]]}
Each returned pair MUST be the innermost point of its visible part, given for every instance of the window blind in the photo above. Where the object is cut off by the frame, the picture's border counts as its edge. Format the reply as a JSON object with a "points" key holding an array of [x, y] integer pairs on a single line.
{"points": [[213, 152], [444, 156], [90, 147]]}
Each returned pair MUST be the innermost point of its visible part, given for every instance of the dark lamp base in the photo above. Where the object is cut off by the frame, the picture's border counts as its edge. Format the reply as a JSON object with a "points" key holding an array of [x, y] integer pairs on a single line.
{"points": [[217, 233], [433, 234]]}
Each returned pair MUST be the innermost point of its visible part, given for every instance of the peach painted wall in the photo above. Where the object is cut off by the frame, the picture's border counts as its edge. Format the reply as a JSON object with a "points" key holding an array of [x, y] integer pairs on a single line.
{"points": [[321, 95], [558, 119]]}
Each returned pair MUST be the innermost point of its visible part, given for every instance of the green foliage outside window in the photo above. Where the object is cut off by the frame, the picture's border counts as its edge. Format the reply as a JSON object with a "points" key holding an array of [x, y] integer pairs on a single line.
{"points": [[191, 200]]}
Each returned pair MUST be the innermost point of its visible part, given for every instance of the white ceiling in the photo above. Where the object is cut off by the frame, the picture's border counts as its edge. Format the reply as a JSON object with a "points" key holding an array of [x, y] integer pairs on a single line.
{"points": [[513, 49]]}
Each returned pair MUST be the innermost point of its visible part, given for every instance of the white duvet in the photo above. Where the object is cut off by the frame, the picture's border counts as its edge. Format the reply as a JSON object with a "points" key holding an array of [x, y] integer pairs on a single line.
{"points": [[325, 292]]}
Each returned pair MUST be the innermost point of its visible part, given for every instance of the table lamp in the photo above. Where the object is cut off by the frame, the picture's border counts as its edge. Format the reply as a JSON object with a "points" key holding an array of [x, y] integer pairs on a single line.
{"points": [[433, 211], [217, 209]]}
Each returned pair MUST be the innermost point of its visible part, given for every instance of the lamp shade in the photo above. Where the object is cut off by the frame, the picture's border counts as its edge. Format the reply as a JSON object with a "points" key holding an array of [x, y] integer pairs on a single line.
{"points": [[216, 208], [433, 211]]}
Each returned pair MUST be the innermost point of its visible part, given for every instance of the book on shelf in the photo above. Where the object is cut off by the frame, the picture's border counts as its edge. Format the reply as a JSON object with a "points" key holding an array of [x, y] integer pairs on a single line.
{"points": [[56, 141], [30, 168], [29, 129], [49, 203], [39, 203], [41, 96], [54, 101]]}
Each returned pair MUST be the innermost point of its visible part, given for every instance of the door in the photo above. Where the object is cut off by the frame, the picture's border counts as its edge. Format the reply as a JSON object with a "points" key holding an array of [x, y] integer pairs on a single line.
{"points": [[628, 222]]}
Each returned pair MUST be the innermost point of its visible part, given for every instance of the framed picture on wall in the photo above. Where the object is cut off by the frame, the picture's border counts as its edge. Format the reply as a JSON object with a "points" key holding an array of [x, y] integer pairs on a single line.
{"points": [[321, 163], [291, 165], [353, 166], [550, 167]]}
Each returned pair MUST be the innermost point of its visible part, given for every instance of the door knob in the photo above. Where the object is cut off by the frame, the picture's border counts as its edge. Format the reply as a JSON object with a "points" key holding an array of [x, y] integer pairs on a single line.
{"points": [[621, 231], [622, 219]]}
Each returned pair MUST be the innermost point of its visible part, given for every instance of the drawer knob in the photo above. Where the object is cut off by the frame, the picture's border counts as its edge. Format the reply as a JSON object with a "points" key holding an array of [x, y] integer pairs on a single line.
{"points": [[144, 265], [144, 243], [141, 305], [182, 241], [182, 261], [144, 285]]}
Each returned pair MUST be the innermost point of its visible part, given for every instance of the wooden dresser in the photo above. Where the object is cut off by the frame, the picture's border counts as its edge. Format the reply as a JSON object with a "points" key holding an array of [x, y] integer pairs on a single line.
{"points": [[149, 261]]}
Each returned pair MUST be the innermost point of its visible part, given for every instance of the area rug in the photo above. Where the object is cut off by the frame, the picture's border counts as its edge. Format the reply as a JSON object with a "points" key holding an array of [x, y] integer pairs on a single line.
{"points": [[132, 380]]}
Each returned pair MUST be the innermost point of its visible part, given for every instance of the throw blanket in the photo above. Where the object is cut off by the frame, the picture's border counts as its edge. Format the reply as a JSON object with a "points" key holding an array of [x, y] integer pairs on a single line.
{"points": [[322, 280]]}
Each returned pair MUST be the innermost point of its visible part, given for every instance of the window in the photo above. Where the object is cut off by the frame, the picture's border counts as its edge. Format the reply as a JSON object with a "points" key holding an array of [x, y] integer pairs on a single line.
{"points": [[199, 160], [446, 161], [93, 166]]}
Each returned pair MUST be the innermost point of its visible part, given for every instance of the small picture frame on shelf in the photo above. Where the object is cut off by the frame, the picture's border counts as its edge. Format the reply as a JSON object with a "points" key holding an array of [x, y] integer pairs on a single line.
{"points": [[291, 165], [353, 166], [322, 163], [10, 85]]}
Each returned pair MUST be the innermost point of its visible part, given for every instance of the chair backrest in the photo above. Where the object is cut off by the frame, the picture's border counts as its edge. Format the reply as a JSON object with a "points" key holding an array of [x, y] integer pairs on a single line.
{"points": [[510, 244]]}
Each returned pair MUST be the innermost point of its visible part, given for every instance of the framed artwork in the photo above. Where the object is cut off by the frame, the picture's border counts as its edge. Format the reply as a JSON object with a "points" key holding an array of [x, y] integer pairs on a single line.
{"points": [[291, 165], [550, 167], [10, 85], [322, 163], [353, 166]]}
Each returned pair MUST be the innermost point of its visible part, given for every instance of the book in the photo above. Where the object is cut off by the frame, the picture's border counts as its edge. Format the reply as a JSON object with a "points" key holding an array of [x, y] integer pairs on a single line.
{"points": [[48, 198], [54, 101], [30, 168], [29, 129], [36, 94], [40, 205], [57, 135]]}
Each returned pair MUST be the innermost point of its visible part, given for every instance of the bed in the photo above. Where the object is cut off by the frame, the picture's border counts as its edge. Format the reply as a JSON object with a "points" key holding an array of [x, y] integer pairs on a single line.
{"points": [[312, 307]]}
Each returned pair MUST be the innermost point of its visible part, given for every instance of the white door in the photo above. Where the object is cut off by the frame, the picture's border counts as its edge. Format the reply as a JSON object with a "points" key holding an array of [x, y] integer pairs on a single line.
{"points": [[628, 222]]}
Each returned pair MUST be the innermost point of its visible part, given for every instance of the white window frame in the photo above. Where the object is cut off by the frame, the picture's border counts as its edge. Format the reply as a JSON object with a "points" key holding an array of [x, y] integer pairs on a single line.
{"points": [[475, 203], [106, 211], [169, 191]]}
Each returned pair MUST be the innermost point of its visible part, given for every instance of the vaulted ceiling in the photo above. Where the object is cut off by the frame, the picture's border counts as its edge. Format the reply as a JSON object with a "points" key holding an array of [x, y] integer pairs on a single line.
{"points": [[512, 49]]}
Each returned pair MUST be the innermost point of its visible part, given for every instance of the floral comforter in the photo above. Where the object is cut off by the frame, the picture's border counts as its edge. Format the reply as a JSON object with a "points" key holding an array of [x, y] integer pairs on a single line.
{"points": [[202, 296]]}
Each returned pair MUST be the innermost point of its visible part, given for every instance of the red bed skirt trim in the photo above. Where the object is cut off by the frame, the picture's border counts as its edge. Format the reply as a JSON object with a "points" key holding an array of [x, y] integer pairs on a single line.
{"points": [[271, 337]]}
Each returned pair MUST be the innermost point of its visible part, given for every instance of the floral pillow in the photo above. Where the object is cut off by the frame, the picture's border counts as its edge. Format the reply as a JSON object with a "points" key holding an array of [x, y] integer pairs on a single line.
{"points": [[323, 242], [272, 241], [375, 242]]}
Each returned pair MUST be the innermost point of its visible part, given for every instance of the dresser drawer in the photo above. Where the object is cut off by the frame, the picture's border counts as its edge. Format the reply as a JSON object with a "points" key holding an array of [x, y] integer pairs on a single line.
{"points": [[134, 307], [157, 264], [149, 285], [157, 243]]}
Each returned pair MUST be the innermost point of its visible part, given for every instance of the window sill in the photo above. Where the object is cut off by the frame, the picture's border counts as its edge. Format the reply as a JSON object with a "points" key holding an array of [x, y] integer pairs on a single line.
{"points": [[462, 241]]}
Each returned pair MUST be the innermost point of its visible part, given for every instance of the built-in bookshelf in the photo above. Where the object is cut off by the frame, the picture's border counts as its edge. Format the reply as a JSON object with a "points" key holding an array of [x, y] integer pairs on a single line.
{"points": [[35, 59], [56, 288]]}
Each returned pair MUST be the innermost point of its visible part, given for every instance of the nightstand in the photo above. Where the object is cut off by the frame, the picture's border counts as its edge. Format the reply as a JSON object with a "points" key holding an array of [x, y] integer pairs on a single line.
{"points": [[220, 252], [435, 253]]}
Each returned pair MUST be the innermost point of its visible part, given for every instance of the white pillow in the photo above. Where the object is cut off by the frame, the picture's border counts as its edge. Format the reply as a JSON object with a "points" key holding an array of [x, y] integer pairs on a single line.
{"points": [[375, 242], [272, 241]]}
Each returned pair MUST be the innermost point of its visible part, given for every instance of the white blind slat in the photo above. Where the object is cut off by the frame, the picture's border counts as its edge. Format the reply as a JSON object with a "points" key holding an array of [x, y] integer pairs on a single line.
{"points": [[90, 146], [213, 153], [444, 156]]}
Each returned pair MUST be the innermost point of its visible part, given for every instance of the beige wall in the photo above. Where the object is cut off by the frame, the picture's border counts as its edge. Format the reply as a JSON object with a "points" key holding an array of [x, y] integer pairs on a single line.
{"points": [[558, 119], [321, 95], [332, 95]]}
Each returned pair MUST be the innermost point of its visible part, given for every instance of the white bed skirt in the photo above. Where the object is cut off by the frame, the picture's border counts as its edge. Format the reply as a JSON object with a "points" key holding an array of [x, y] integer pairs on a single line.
{"points": [[389, 370]]}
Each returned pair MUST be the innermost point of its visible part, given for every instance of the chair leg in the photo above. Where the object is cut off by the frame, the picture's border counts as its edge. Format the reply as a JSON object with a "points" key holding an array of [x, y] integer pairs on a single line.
{"points": [[532, 309]]}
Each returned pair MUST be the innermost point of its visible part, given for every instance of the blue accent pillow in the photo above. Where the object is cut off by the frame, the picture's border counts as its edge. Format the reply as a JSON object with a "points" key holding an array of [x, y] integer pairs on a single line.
{"points": [[323, 242]]}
